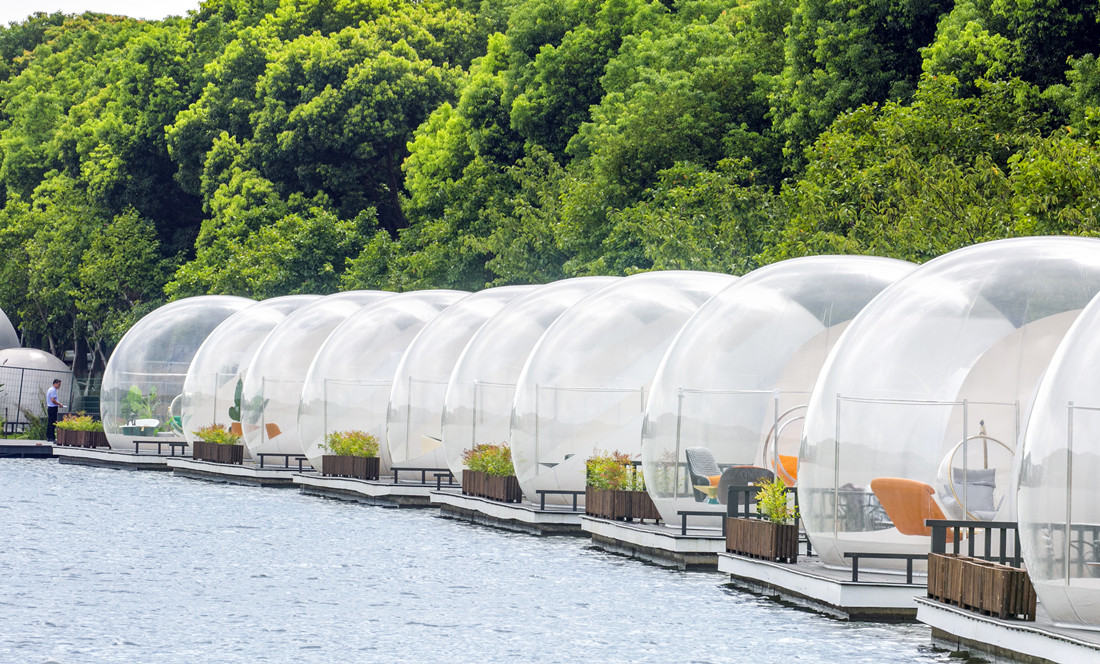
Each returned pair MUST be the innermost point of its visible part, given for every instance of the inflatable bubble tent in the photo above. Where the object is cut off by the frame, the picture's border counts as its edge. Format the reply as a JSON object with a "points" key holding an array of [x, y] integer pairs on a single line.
{"points": [[585, 385], [415, 415], [273, 382], [478, 403], [1058, 501], [143, 381], [25, 375], [919, 407], [348, 384], [215, 380], [737, 378], [8, 336]]}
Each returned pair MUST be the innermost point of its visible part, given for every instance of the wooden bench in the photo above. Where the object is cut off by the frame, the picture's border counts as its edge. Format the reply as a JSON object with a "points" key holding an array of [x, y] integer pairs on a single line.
{"points": [[439, 472]]}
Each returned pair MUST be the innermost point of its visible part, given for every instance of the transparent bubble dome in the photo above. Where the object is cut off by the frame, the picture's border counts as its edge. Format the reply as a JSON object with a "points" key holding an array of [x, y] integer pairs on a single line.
{"points": [[273, 383], [144, 377], [737, 378], [929, 386], [585, 384], [348, 384], [478, 403]]}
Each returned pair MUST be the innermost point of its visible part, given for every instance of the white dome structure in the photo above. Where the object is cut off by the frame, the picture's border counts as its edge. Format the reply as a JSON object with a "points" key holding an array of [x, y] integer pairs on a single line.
{"points": [[414, 420], [478, 403], [25, 375], [737, 378], [1058, 501], [145, 373], [919, 407], [273, 382], [585, 385], [215, 380], [8, 336], [348, 384]]}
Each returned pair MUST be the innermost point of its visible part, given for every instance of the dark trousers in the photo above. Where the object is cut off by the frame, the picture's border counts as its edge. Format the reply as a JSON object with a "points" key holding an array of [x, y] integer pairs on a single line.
{"points": [[51, 420]]}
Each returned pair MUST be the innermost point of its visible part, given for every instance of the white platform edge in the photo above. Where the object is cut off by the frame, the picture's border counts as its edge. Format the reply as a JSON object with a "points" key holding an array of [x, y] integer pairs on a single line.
{"points": [[363, 487], [1005, 636], [520, 512], [227, 469], [113, 456], [844, 595], [653, 539]]}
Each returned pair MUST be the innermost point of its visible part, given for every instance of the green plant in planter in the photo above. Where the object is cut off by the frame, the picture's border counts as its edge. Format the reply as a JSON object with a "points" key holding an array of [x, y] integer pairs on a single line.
{"points": [[218, 435], [351, 443], [613, 470], [235, 409], [771, 502], [136, 405], [491, 459], [79, 422]]}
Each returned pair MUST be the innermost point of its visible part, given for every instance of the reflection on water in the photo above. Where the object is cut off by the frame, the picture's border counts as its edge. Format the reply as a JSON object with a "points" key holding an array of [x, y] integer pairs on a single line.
{"points": [[113, 566]]}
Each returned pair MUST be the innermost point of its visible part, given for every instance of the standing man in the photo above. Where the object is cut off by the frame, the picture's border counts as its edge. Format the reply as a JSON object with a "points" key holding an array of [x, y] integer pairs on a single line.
{"points": [[52, 404]]}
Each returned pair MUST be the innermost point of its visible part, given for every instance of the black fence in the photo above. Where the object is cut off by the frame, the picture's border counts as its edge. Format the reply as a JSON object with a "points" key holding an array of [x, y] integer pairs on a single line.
{"points": [[23, 396]]}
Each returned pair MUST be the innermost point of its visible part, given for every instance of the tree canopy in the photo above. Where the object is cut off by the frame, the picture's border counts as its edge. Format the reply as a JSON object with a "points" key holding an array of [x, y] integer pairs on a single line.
{"points": [[266, 147]]}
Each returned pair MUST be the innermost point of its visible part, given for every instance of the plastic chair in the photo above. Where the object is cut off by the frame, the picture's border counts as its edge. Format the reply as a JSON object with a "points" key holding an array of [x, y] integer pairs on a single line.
{"points": [[908, 503], [742, 476]]}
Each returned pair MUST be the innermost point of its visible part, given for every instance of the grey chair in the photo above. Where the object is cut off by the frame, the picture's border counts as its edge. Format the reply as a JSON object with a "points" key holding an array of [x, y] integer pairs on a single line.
{"points": [[740, 476], [701, 467]]}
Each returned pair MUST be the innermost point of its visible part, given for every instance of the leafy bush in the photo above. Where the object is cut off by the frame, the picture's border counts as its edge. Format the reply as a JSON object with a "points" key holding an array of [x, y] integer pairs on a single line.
{"points": [[491, 459], [217, 434], [36, 424], [79, 422], [351, 443], [771, 502], [613, 470]]}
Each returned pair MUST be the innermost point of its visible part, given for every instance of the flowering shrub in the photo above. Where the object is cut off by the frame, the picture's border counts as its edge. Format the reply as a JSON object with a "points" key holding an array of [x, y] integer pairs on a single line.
{"points": [[490, 459], [613, 470], [217, 434], [79, 422], [351, 443]]}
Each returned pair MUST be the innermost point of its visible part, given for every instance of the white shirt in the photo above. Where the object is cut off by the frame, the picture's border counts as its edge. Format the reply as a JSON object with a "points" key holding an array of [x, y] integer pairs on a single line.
{"points": [[51, 396]]}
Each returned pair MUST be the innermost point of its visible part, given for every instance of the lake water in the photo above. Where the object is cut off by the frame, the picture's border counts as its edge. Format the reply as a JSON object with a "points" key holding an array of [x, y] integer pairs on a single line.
{"points": [[101, 565]]}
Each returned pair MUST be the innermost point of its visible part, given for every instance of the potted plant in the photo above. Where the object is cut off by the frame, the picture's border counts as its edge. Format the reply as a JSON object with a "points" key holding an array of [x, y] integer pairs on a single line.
{"points": [[615, 489], [235, 409], [353, 454], [138, 406], [489, 473], [80, 430], [218, 444], [774, 534]]}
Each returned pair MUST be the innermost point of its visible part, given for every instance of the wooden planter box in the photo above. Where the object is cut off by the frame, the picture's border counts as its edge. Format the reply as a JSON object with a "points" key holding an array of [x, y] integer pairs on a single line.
{"points": [[82, 438], [504, 489], [204, 451], [980, 585], [363, 468], [619, 505], [762, 539]]}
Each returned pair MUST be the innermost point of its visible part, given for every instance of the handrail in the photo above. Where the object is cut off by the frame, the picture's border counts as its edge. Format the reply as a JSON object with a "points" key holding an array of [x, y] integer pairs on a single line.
{"points": [[1003, 555]]}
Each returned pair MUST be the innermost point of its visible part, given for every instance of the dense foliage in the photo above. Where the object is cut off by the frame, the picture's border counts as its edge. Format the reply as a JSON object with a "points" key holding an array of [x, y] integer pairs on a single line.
{"points": [[613, 470], [489, 458], [217, 434], [79, 422], [351, 443], [267, 147]]}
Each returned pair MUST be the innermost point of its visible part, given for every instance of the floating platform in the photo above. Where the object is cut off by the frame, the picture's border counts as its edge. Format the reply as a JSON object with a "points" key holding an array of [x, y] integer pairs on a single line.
{"points": [[386, 492], [1037, 642], [247, 474], [107, 458], [657, 543], [517, 517], [809, 583], [25, 449]]}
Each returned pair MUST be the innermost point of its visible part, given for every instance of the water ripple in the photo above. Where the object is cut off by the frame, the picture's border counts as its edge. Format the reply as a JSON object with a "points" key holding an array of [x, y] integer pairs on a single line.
{"points": [[112, 566]]}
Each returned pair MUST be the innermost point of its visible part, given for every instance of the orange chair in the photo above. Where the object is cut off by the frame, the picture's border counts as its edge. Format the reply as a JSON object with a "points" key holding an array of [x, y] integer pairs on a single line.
{"points": [[908, 503], [272, 430], [788, 468]]}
